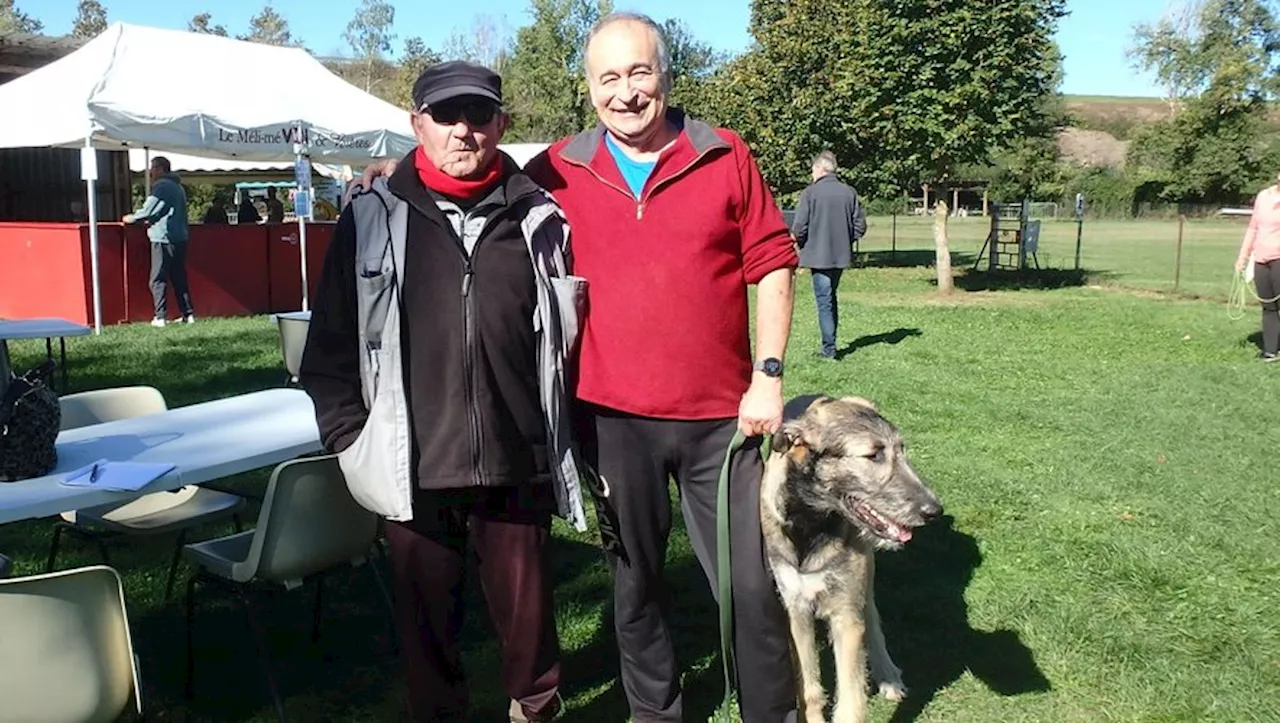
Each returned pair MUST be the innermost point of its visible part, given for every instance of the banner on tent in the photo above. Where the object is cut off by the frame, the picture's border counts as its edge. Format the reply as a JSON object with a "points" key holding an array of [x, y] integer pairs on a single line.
{"points": [[289, 136]]}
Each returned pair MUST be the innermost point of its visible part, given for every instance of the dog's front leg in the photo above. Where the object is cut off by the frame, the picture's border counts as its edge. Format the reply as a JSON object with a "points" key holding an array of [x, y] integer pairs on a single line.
{"points": [[802, 636], [884, 674], [847, 631]]}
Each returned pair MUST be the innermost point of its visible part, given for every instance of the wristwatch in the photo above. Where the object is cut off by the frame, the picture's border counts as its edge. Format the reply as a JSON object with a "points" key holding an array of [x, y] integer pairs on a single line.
{"points": [[771, 366]]}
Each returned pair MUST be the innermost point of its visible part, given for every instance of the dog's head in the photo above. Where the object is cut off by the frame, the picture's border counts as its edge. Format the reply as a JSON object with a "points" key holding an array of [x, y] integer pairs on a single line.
{"points": [[844, 458]]}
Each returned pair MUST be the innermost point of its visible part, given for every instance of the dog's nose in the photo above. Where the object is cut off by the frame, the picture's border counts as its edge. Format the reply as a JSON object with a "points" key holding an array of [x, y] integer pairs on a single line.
{"points": [[931, 510]]}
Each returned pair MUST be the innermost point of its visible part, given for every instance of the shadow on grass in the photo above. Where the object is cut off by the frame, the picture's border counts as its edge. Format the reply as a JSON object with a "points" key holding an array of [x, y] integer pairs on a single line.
{"points": [[695, 630], [913, 258], [920, 593], [1255, 339], [999, 280], [352, 673], [893, 338]]}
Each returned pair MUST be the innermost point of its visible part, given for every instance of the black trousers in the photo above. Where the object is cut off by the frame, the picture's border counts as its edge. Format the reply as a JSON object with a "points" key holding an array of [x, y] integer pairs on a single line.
{"points": [[635, 456], [169, 268], [1267, 278]]}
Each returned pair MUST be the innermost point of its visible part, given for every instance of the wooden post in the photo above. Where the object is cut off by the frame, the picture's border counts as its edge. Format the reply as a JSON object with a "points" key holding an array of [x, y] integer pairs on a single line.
{"points": [[925, 207], [941, 250], [893, 243], [955, 198], [984, 201], [1177, 259]]}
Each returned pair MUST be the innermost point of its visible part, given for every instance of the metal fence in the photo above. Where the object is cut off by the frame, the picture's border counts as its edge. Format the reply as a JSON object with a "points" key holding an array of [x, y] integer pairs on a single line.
{"points": [[1186, 256]]}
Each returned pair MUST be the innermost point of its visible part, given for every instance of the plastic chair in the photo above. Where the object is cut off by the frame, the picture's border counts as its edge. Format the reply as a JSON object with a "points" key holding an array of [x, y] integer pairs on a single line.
{"points": [[66, 654], [308, 525], [293, 339], [158, 513]]}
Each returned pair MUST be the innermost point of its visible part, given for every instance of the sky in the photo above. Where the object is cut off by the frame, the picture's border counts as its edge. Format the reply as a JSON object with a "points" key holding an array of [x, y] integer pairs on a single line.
{"points": [[1093, 37]]}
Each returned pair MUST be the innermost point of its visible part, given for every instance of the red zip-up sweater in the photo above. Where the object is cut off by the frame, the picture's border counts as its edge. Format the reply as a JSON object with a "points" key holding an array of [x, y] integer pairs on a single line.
{"points": [[667, 333]]}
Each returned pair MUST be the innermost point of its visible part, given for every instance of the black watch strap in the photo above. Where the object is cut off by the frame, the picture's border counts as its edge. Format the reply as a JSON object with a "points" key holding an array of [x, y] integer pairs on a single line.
{"points": [[771, 366]]}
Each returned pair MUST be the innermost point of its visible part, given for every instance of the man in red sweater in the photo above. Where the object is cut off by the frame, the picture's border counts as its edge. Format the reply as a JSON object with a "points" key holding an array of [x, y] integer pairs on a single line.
{"points": [[670, 221]]}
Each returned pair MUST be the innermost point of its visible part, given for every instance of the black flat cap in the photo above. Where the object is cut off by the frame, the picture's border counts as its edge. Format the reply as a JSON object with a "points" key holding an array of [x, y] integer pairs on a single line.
{"points": [[456, 78]]}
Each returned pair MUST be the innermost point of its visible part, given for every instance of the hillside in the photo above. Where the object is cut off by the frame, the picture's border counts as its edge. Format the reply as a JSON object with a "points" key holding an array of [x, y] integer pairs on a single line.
{"points": [[1116, 115]]}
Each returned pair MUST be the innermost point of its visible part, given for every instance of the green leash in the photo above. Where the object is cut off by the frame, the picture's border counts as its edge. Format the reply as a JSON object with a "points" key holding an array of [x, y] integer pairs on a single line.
{"points": [[1241, 290], [724, 577]]}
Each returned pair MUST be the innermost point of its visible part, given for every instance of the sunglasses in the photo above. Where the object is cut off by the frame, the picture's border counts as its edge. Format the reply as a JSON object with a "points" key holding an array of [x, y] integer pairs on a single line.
{"points": [[476, 113]]}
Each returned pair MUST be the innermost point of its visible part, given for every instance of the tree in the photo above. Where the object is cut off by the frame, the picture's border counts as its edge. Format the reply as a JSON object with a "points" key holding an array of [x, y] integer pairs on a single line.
{"points": [[13, 20], [545, 81], [692, 63], [270, 28], [369, 34], [201, 24], [688, 56], [1166, 47], [415, 58], [487, 42], [942, 249], [91, 19], [1222, 61], [1027, 167], [902, 91]]}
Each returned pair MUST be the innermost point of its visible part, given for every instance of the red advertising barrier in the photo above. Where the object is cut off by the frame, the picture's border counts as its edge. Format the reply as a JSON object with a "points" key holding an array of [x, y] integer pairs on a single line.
{"points": [[284, 259], [46, 270]]}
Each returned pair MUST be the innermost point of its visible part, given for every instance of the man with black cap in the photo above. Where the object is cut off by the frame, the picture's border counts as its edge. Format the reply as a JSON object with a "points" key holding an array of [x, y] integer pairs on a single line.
{"points": [[438, 357]]}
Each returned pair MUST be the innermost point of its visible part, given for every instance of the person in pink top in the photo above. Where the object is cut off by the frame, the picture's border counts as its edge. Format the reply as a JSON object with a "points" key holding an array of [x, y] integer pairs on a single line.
{"points": [[1262, 241]]}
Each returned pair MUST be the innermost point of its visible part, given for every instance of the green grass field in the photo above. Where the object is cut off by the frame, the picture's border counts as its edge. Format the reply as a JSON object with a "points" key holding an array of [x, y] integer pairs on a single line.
{"points": [[1134, 254], [1105, 458]]}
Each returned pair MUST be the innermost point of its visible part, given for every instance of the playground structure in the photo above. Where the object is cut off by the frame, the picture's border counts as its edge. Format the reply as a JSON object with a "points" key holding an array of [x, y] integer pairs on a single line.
{"points": [[1014, 237]]}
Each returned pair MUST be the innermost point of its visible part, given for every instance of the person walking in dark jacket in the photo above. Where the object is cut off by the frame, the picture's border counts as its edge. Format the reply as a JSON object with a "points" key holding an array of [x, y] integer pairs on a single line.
{"points": [[165, 215], [829, 220]]}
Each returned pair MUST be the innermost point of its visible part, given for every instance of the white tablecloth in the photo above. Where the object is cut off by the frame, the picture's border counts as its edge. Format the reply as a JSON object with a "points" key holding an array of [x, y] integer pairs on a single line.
{"points": [[206, 441]]}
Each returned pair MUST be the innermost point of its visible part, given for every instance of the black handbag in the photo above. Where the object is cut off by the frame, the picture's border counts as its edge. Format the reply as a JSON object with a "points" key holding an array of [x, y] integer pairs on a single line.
{"points": [[30, 418]]}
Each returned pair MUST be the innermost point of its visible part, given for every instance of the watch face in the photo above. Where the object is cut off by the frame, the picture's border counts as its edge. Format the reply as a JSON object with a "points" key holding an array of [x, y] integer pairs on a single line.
{"points": [[771, 366]]}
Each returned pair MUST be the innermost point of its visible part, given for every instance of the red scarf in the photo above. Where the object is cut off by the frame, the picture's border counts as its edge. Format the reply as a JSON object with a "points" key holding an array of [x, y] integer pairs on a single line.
{"points": [[461, 188]]}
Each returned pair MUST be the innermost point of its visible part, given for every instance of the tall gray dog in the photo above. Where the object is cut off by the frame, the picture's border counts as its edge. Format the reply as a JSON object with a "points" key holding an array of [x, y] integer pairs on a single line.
{"points": [[837, 487]]}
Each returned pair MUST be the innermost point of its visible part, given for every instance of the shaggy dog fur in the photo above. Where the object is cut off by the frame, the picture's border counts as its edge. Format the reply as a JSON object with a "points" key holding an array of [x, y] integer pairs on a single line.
{"points": [[837, 487]]}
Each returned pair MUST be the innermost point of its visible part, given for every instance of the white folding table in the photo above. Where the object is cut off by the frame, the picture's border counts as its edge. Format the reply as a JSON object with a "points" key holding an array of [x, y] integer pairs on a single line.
{"points": [[45, 329], [206, 441]]}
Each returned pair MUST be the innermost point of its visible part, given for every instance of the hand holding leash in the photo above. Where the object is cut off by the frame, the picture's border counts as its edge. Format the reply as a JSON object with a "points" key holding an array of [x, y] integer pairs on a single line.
{"points": [[760, 411]]}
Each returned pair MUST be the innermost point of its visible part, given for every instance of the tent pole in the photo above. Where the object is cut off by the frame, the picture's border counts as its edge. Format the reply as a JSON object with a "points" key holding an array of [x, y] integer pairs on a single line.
{"points": [[89, 171], [298, 147], [146, 171], [302, 253]]}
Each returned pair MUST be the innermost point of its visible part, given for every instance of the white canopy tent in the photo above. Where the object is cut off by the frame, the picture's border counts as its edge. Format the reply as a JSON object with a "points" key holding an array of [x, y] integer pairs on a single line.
{"points": [[134, 87], [140, 159]]}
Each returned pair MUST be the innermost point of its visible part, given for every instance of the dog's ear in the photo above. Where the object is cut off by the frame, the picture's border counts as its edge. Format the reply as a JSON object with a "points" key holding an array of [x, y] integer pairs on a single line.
{"points": [[790, 440], [787, 436]]}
